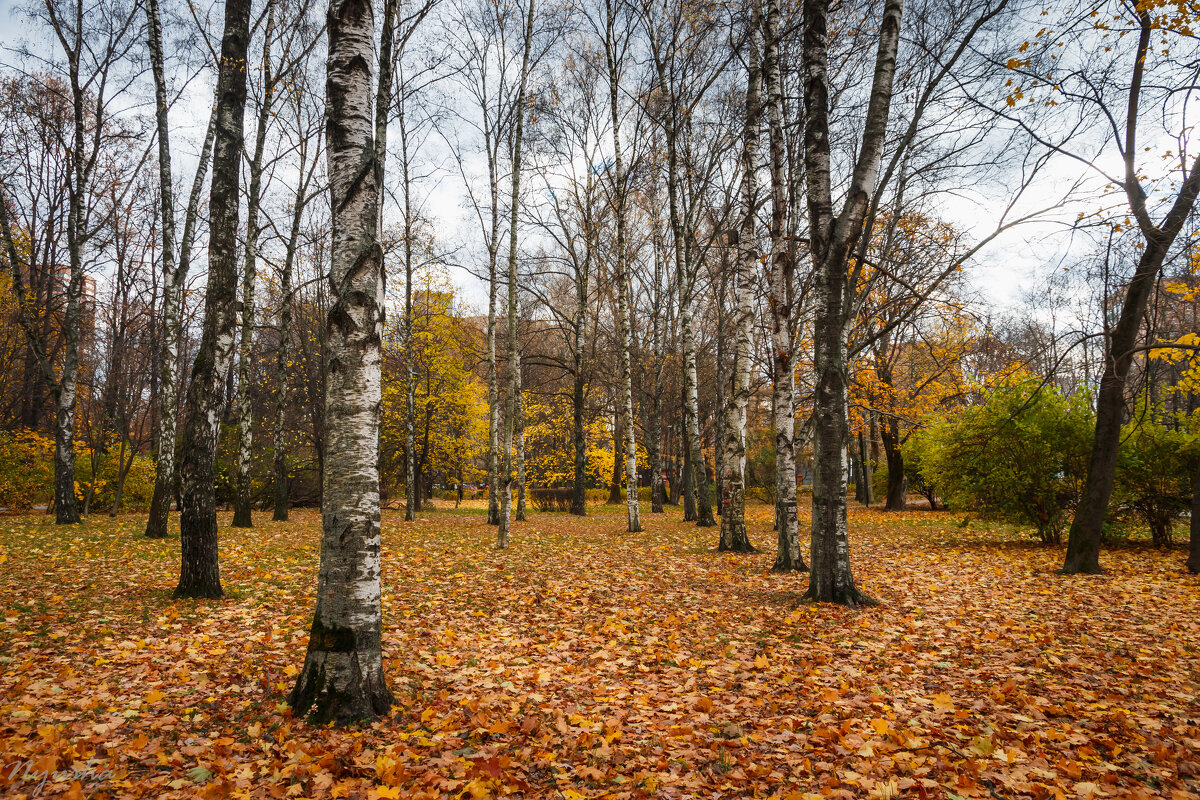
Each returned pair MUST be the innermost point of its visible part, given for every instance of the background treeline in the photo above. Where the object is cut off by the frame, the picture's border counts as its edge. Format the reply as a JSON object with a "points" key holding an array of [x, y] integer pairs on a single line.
{"points": [[698, 252]]}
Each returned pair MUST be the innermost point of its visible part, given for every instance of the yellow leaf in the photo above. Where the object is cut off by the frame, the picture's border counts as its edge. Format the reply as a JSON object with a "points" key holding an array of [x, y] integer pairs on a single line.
{"points": [[943, 702], [761, 661], [153, 696]]}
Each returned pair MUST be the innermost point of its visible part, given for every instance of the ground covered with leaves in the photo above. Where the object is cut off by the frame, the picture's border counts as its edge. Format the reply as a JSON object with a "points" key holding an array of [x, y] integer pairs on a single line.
{"points": [[586, 662]]}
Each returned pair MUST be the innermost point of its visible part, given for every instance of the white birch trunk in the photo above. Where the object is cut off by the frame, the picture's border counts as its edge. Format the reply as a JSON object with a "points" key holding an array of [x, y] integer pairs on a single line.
{"points": [[342, 679], [514, 354], [780, 268], [733, 483], [241, 505]]}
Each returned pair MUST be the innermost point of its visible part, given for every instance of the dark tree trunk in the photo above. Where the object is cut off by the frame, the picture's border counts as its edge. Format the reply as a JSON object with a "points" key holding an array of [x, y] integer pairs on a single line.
{"points": [[868, 473], [832, 237], [897, 485], [199, 574], [676, 472], [1083, 545], [860, 478]]}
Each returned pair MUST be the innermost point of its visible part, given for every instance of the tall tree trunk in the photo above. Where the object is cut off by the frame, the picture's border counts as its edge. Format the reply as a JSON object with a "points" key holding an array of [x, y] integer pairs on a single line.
{"points": [[702, 498], [199, 574], [172, 315], [621, 279], [724, 370], [655, 437], [688, 483], [65, 393], [1083, 545], [859, 478], [673, 434], [697, 503], [832, 238], [783, 347], [494, 398], [279, 433], [513, 364], [342, 679], [493, 460], [412, 499], [897, 483], [283, 353], [156, 525], [241, 497], [733, 484]]}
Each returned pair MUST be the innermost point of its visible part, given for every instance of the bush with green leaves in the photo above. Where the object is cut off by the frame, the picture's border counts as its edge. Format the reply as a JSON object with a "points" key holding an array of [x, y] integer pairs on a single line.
{"points": [[1020, 454], [916, 455], [1155, 466]]}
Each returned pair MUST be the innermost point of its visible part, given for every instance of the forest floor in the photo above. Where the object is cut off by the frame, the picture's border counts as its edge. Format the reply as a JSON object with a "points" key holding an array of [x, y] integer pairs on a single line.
{"points": [[586, 662]]}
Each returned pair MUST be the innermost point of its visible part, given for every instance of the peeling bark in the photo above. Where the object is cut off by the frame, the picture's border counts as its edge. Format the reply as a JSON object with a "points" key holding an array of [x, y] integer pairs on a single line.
{"points": [[241, 497], [342, 680], [199, 574], [513, 364], [168, 403], [780, 267], [733, 482], [832, 238], [621, 279]]}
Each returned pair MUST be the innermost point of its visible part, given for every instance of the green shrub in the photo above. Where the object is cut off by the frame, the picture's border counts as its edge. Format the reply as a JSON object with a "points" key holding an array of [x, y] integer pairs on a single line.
{"points": [[1154, 469], [1022, 454], [917, 454]]}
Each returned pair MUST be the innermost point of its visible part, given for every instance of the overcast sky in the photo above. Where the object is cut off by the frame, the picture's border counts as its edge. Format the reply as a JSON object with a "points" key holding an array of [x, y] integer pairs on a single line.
{"points": [[1000, 274]]}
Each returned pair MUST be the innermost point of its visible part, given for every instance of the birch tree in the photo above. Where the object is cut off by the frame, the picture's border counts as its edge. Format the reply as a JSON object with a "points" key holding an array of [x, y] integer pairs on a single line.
{"points": [[513, 365], [342, 679], [683, 52], [245, 425], [478, 32], [832, 236], [199, 574], [733, 483], [615, 46], [780, 275], [174, 275]]}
